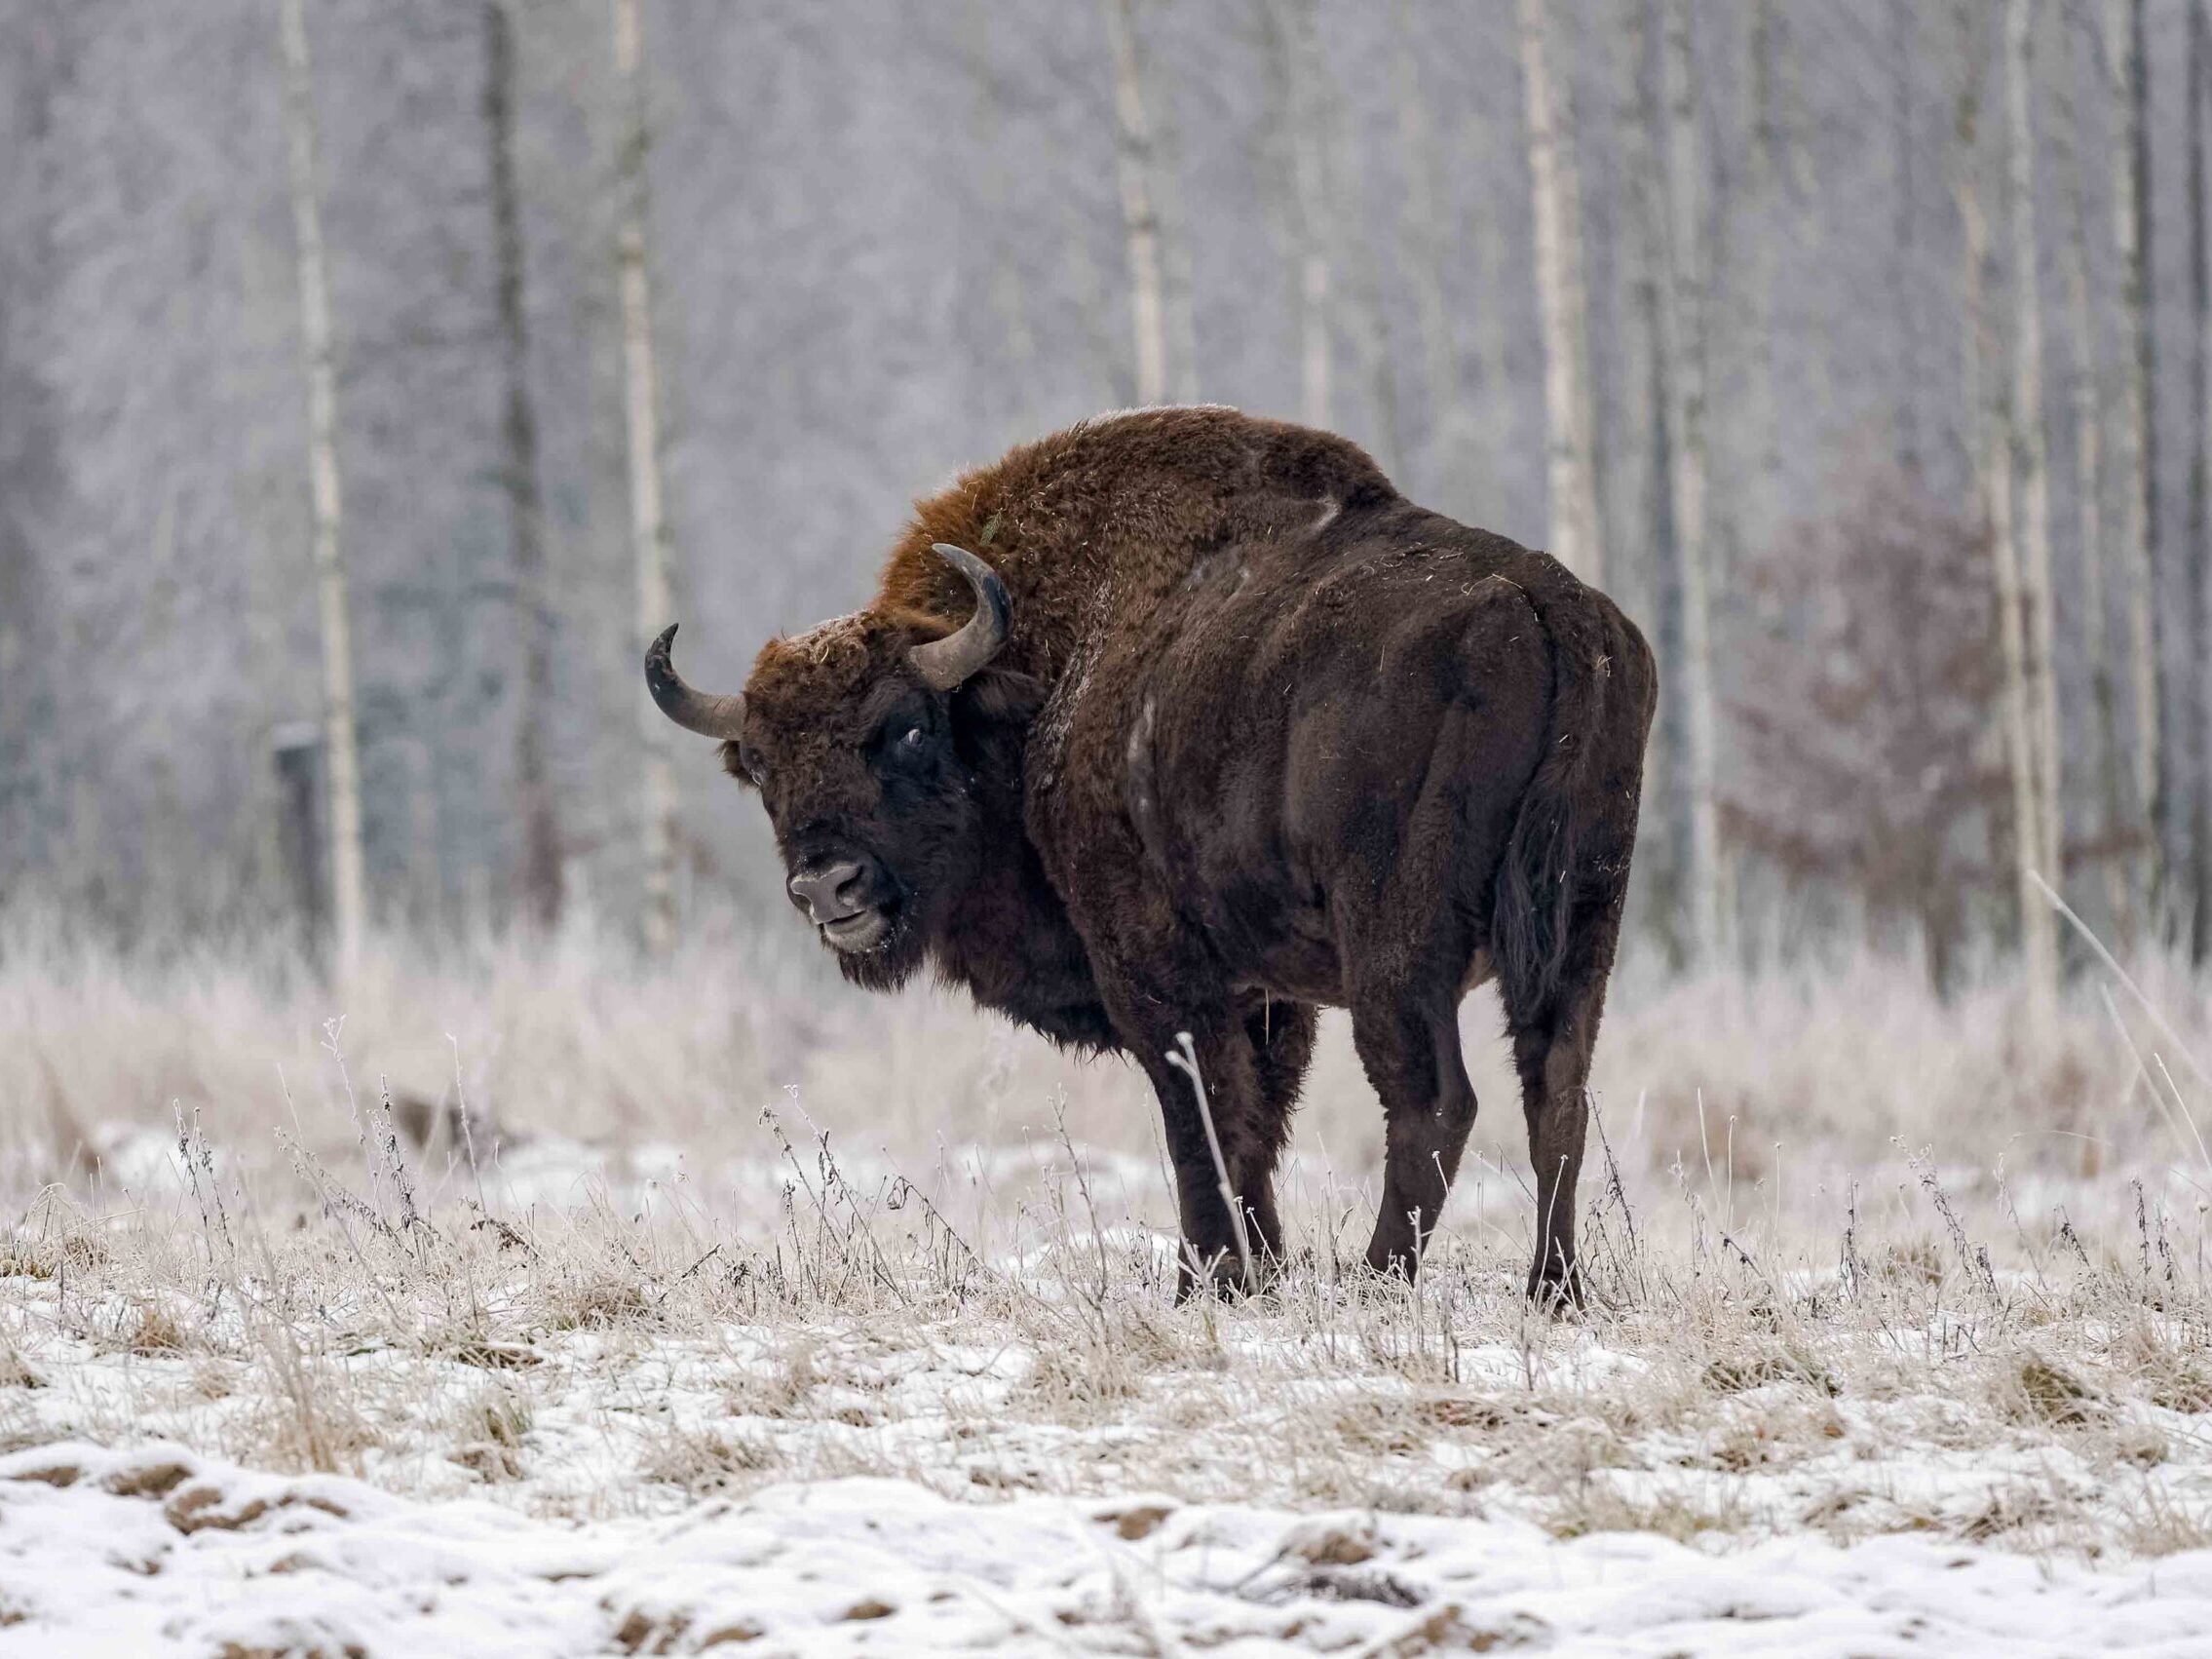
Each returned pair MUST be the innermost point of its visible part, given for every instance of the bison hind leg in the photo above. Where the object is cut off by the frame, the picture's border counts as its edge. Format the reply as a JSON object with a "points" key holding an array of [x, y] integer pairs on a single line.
{"points": [[1552, 1040], [1410, 1048]]}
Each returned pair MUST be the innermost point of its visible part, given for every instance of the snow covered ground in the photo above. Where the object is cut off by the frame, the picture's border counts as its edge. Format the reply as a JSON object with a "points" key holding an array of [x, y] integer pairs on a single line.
{"points": [[591, 1437], [157, 1551], [317, 1399]]}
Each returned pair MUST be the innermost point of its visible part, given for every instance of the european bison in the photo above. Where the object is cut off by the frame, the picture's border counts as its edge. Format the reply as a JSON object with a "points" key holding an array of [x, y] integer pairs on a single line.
{"points": [[1183, 721]]}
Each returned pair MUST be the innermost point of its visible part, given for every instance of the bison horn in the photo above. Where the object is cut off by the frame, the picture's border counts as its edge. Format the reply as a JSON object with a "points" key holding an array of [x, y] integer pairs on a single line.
{"points": [[944, 663], [695, 711]]}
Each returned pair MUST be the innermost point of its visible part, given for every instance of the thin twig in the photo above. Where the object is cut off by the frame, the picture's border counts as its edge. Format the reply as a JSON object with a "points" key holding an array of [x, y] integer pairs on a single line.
{"points": [[1187, 1062], [2119, 973]]}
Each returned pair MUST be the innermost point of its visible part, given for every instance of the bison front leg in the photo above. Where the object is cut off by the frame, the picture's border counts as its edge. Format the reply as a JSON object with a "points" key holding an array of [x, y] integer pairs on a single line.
{"points": [[1280, 1036], [1210, 1252], [1250, 1138]]}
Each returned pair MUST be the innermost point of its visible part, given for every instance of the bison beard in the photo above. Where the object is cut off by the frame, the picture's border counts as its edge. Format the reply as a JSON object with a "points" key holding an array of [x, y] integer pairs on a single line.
{"points": [[1182, 721]]}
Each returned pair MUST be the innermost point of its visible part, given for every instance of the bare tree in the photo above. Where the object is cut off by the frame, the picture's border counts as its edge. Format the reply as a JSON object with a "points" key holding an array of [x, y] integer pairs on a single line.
{"points": [[341, 751], [1765, 169], [2127, 89], [2112, 826], [1562, 302], [1362, 315], [2030, 443], [649, 529], [1421, 235], [1640, 476], [1010, 289], [1683, 331], [1286, 28], [1140, 214], [521, 478], [2190, 719], [1178, 285], [1865, 745], [1991, 449], [1903, 65]]}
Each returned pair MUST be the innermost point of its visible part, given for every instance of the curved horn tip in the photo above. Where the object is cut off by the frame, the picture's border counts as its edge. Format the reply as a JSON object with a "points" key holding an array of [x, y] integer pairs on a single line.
{"points": [[945, 663], [704, 712]]}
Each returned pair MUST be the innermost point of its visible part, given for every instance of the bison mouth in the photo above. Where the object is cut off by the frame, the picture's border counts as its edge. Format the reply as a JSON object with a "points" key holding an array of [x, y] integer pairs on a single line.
{"points": [[859, 932]]}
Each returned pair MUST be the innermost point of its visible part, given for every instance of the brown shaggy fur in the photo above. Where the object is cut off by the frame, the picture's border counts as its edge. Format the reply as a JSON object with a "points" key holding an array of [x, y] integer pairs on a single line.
{"points": [[1264, 737]]}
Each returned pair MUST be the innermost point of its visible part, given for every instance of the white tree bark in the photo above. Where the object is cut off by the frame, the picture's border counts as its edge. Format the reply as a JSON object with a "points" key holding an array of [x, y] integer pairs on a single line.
{"points": [[1009, 290], [1178, 287], [1141, 215], [1360, 314], [1561, 302], [2191, 717], [1420, 233], [2089, 497], [540, 884], [1762, 246], [1684, 345], [648, 525], [1290, 24], [1990, 446], [2029, 425], [341, 752], [2127, 88]]}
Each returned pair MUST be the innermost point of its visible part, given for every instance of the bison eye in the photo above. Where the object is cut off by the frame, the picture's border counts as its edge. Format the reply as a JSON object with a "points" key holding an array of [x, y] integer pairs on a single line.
{"points": [[913, 737]]}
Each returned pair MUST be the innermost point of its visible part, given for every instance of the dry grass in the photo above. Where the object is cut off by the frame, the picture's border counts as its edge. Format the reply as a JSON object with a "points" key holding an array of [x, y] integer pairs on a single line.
{"points": [[1864, 1290], [1765, 1087]]}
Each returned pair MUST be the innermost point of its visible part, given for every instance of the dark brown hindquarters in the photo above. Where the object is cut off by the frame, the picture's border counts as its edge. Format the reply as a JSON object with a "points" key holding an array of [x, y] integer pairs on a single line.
{"points": [[1511, 858], [1556, 920]]}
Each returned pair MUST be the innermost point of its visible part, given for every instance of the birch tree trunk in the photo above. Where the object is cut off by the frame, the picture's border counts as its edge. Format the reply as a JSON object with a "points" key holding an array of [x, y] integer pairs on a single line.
{"points": [[1420, 233], [1761, 256], [1365, 316], [2127, 86], [2032, 453], [1009, 290], [1140, 216], [2191, 717], [648, 527], [1289, 27], [1990, 445], [341, 752], [1685, 347], [1177, 287], [522, 479], [1644, 481], [1562, 303], [1903, 63], [2089, 497]]}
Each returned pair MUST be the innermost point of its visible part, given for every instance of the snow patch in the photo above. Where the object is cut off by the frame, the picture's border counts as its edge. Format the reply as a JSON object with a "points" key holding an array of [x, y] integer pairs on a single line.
{"points": [[157, 1551]]}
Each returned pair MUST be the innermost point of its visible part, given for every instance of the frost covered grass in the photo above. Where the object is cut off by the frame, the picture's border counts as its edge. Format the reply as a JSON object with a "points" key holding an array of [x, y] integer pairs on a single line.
{"points": [[1795, 1077], [1907, 1330]]}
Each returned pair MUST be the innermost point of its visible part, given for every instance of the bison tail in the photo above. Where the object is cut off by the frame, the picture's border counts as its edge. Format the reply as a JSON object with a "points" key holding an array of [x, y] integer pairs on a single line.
{"points": [[1561, 848]]}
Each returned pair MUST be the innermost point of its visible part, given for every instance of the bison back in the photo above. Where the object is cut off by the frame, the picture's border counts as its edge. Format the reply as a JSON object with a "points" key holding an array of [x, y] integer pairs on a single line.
{"points": [[1330, 746]]}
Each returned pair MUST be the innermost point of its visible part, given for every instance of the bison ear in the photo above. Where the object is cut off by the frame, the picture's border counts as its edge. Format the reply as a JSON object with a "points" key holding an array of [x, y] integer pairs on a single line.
{"points": [[991, 716], [999, 697]]}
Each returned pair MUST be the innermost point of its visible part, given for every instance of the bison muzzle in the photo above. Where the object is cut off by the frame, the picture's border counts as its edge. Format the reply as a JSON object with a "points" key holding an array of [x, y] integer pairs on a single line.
{"points": [[1187, 722]]}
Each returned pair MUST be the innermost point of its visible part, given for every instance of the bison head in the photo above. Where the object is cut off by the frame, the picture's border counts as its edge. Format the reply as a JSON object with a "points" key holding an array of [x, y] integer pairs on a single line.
{"points": [[880, 746]]}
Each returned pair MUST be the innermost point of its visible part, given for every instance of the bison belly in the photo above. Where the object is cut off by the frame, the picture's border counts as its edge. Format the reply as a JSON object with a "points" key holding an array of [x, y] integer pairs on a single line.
{"points": [[1329, 763]]}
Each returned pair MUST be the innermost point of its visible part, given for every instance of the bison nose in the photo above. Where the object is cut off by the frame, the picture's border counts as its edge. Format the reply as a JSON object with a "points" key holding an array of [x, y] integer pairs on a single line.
{"points": [[829, 893]]}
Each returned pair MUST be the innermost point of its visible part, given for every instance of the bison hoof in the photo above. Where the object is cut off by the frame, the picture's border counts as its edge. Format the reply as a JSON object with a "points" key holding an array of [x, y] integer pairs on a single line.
{"points": [[1223, 1276], [1399, 1266], [1556, 1288]]}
